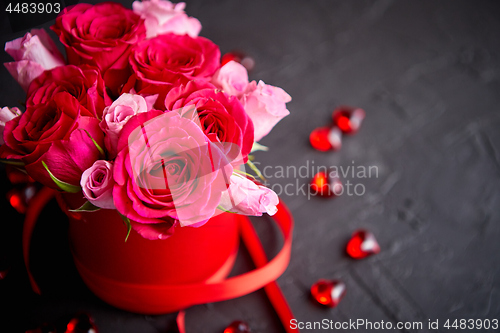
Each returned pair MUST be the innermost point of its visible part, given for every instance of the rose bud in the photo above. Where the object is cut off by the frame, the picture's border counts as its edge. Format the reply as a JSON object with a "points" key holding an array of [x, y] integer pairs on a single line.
{"points": [[247, 198], [232, 78], [265, 105], [162, 17], [97, 184], [116, 116], [33, 54]]}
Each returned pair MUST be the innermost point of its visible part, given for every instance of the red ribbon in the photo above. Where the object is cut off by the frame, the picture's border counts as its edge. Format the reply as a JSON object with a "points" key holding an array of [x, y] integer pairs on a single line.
{"points": [[37, 203], [184, 296]]}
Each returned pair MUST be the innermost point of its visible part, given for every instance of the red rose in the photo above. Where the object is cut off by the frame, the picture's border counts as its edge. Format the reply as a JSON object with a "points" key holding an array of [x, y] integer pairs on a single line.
{"points": [[101, 35], [168, 60], [84, 83], [54, 133], [219, 114]]}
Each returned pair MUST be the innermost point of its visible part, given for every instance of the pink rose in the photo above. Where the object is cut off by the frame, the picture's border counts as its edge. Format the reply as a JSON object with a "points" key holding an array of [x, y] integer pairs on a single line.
{"points": [[220, 115], [245, 197], [24, 71], [33, 53], [7, 114], [163, 62], [116, 116], [97, 184], [56, 133], [83, 82], [167, 170], [100, 35], [265, 105], [232, 78], [161, 17]]}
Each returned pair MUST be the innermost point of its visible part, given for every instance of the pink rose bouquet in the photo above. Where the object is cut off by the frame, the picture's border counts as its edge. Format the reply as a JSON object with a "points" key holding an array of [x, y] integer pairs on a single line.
{"points": [[141, 117]]}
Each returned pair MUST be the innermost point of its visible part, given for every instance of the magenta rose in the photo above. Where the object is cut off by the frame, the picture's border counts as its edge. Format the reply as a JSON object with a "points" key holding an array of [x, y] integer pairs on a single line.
{"points": [[57, 133], [167, 170], [97, 184], [101, 35], [83, 82], [219, 114], [168, 60]]}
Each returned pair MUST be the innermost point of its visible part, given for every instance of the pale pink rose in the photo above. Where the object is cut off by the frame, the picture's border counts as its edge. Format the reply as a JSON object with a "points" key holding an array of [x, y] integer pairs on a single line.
{"points": [[161, 17], [35, 46], [180, 25], [24, 71], [33, 53], [265, 105], [247, 198], [7, 114], [232, 78], [97, 184], [115, 116], [151, 100]]}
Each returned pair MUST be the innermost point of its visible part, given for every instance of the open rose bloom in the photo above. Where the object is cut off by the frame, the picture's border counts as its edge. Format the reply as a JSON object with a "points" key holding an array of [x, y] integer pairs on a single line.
{"points": [[140, 117]]}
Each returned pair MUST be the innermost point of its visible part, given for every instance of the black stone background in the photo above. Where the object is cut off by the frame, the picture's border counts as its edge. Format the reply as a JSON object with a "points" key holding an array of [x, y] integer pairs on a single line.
{"points": [[427, 73]]}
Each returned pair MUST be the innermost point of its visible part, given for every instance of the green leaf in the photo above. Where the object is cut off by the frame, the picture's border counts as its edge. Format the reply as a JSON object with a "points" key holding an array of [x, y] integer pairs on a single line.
{"points": [[258, 147], [127, 223], [256, 170], [12, 162], [101, 151], [62, 185], [86, 207]]}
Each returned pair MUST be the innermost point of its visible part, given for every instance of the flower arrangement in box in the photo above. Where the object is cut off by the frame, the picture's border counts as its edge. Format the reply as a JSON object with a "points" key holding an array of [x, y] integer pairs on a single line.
{"points": [[140, 121], [126, 68]]}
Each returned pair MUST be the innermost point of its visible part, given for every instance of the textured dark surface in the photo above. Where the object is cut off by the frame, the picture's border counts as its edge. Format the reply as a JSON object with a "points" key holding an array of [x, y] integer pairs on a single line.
{"points": [[428, 75]]}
